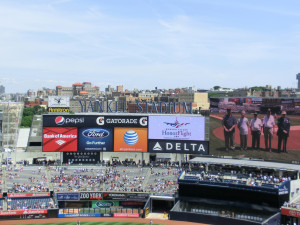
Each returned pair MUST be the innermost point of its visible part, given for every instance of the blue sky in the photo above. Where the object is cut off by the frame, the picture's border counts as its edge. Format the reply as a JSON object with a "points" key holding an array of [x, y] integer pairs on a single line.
{"points": [[149, 43]]}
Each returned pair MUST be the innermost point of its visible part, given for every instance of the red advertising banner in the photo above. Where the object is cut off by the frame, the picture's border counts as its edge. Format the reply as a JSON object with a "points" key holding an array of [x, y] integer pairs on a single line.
{"points": [[22, 195], [1, 196], [23, 212], [290, 212], [131, 215], [248, 100], [59, 139], [236, 100]]}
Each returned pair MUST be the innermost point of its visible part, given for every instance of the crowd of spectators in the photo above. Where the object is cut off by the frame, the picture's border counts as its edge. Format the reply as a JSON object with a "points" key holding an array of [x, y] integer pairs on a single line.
{"points": [[115, 177], [29, 203], [76, 178], [27, 179], [294, 205], [1, 175], [237, 177], [128, 179], [163, 181]]}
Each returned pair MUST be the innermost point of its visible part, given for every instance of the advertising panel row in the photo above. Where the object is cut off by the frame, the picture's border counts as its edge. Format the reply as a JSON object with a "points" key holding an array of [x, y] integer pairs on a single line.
{"points": [[109, 196], [129, 215], [23, 212], [24, 195], [71, 215], [290, 212], [88, 133], [94, 121]]}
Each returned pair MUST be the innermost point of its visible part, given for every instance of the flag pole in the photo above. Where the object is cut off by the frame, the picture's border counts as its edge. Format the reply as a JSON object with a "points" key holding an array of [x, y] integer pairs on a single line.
{"points": [[7, 135]]}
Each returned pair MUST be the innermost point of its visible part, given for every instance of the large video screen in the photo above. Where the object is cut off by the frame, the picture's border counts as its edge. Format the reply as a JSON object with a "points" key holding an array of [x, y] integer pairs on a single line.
{"points": [[177, 128], [256, 143]]}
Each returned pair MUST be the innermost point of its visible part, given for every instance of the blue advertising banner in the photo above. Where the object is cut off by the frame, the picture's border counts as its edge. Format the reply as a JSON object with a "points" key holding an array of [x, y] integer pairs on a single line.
{"points": [[68, 215], [284, 188], [67, 196], [95, 139]]}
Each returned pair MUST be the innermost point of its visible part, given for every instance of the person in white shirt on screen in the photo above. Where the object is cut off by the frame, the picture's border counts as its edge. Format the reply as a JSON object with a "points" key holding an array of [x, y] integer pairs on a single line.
{"points": [[243, 125], [268, 127], [255, 126]]}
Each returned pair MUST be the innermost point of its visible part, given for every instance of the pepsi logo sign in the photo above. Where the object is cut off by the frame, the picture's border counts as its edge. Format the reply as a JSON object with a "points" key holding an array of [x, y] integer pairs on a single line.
{"points": [[60, 120], [95, 133]]}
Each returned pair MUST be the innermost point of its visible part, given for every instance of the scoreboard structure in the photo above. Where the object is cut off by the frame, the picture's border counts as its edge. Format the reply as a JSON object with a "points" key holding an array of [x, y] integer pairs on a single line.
{"points": [[125, 133]]}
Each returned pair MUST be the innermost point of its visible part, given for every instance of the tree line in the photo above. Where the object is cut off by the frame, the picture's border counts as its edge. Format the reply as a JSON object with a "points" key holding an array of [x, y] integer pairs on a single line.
{"points": [[28, 114]]}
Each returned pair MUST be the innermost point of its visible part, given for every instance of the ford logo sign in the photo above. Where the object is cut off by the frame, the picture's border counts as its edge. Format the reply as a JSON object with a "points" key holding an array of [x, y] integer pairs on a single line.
{"points": [[95, 133]]}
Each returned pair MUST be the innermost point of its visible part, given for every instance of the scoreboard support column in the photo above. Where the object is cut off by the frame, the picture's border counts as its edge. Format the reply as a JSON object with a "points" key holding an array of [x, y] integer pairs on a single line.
{"points": [[61, 158]]}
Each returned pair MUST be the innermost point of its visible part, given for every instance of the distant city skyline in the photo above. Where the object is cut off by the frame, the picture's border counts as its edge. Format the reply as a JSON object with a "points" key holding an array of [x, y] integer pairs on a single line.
{"points": [[148, 44]]}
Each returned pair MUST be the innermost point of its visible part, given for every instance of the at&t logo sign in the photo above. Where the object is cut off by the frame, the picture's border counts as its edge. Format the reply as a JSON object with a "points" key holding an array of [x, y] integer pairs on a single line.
{"points": [[131, 137]]}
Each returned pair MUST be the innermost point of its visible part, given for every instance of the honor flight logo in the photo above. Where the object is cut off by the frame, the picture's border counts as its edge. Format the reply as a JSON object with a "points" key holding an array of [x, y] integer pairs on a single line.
{"points": [[179, 128]]}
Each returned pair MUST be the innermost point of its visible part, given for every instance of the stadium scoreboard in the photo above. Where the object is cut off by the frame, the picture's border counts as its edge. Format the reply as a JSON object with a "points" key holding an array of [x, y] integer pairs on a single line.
{"points": [[125, 133]]}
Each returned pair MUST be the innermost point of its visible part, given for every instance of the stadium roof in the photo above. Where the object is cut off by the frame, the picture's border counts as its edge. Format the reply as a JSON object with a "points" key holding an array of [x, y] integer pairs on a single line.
{"points": [[247, 163]]}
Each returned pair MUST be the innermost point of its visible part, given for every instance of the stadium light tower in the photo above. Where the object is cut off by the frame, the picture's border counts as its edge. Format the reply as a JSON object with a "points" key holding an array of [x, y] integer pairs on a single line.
{"points": [[298, 78]]}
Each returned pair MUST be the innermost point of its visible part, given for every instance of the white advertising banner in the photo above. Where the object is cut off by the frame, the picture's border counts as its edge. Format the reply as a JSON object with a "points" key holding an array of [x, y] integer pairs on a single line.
{"points": [[177, 128]]}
